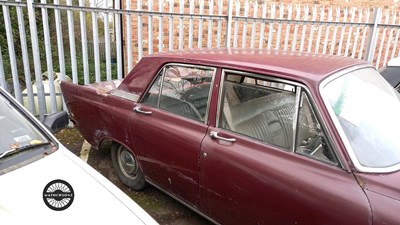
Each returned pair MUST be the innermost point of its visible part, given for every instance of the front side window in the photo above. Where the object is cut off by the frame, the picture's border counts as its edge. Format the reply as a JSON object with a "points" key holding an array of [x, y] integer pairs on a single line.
{"points": [[366, 109], [276, 113], [258, 108], [183, 90], [311, 140]]}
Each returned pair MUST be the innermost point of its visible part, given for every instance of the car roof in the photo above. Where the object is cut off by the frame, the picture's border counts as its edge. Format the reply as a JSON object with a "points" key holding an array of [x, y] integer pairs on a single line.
{"points": [[307, 68], [295, 64]]}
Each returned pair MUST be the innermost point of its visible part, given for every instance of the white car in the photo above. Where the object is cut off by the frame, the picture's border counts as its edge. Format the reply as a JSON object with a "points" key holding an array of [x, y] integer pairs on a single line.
{"points": [[41, 182]]}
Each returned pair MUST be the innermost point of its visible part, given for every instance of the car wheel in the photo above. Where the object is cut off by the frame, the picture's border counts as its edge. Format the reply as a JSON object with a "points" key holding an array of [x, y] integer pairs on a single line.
{"points": [[127, 168]]}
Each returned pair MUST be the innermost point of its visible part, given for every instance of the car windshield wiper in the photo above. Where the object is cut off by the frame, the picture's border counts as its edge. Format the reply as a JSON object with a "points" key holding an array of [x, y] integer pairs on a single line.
{"points": [[23, 148]]}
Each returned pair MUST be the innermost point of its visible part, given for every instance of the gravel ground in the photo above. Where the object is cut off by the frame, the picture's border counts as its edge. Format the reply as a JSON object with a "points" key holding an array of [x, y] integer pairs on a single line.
{"points": [[160, 206]]}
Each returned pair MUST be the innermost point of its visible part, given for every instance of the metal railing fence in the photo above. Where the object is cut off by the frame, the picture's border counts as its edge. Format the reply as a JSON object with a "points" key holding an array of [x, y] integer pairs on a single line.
{"points": [[90, 43]]}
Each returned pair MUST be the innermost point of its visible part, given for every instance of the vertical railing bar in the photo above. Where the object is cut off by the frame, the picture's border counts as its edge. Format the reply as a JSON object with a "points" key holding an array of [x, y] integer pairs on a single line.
{"points": [[107, 43], [262, 29], [118, 33], [3, 82], [396, 40], [171, 26], [278, 38], [296, 28], [25, 59], [181, 8], [191, 11], [71, 33], [161, 26], [322, 17], [139, 37], [313, 18], [219, 29], [210, 23], [333, 40], [388, 44], [244, 32], [36, 59], [303, 32], [349, 34], [383, 37], [150, 27], [229, 25], [95, 33], [85, 57], [11, 53], [271, 27], [353, 52], [49, 60], [342, 33], [200, 34], [60, 42], [287, 34], [236, 31], [360, 55], [128, 39], [253, 27], [328, 28]]}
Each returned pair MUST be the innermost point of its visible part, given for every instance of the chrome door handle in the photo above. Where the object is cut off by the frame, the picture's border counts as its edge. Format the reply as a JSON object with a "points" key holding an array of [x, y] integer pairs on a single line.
{"points": [[137, 109], [214, 134]]}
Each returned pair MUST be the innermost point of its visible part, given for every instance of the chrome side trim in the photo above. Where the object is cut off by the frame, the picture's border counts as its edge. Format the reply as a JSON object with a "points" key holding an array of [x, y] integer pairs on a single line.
{"points": [[182, 202], [125, 95], [340, 130]]}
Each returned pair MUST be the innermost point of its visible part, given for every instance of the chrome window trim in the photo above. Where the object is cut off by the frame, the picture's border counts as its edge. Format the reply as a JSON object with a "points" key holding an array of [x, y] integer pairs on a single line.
{"points": [[298, 87], [398, 88], [340, 130], [163, 70], [296, 117], [125, 95]]}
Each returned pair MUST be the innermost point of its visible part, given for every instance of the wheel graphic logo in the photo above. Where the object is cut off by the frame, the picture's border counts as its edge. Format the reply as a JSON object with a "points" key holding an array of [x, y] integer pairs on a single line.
{"points": [[58, 195]]}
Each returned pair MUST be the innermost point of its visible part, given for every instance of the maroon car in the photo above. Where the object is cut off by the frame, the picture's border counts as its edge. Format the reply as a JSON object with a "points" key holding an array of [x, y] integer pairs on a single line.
{"points": [[253, 136]]}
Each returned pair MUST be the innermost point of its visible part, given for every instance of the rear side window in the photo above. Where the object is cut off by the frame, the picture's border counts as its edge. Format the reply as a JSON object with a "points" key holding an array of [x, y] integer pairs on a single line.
{"points": [[183, 90]]}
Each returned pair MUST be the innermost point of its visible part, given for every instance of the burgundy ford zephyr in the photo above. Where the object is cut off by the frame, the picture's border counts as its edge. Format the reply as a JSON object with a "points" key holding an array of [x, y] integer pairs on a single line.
{"points": [[252, 137]]}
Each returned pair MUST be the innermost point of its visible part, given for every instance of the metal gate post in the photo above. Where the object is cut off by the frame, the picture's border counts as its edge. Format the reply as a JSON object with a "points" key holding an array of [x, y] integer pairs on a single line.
{"points": [[228, 25], [372, 36]]}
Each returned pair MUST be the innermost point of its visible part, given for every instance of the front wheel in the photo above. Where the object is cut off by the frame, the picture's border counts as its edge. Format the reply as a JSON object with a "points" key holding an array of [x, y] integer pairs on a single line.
{"points": [[127, 167]]}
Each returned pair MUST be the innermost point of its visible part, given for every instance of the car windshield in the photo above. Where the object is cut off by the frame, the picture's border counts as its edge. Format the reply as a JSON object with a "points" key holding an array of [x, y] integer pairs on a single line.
{"points": [[16, 131], [367, 109]]}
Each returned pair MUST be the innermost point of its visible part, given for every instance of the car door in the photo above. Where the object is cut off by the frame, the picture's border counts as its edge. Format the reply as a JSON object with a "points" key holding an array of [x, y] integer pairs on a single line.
{"points": [[254, 170], [168, 125]]}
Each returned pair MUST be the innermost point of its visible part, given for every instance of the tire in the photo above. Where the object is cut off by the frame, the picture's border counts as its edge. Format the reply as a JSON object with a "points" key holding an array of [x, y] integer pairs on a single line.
{"points": [[127, 167]]}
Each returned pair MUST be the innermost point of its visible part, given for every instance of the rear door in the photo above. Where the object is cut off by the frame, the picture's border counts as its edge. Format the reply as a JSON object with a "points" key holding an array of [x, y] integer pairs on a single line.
{"points": [[257, 169], [168, 126]]}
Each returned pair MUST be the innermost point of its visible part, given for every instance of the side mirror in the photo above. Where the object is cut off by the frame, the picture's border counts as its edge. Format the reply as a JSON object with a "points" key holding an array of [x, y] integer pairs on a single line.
{"points": [[56, 121]]}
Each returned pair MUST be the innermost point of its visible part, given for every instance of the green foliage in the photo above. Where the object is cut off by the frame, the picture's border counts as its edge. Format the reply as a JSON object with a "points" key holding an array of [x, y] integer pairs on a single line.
{"points": [[53, 39], [92, 78]]}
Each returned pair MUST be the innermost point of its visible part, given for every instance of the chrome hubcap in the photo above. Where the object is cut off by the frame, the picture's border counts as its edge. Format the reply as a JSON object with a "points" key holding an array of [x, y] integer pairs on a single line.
{"points": [[127, 163]]}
